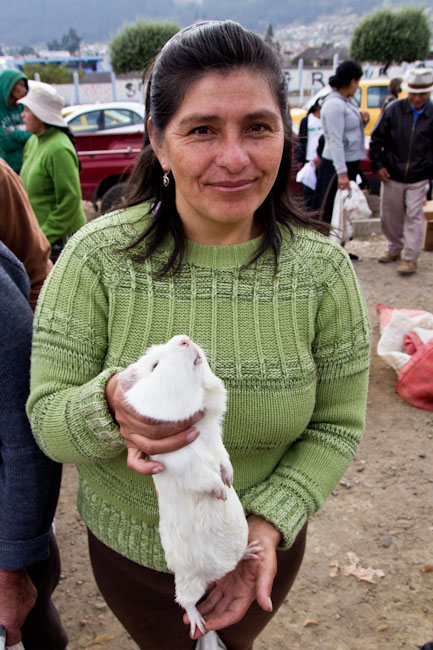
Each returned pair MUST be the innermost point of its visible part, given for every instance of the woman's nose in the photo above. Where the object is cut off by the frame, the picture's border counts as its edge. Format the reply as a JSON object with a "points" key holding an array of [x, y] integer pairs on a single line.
{"points": [[232, 155]]}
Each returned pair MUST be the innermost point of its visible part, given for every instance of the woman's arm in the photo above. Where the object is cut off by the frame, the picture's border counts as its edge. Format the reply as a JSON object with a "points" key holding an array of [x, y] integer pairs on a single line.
{"points": [[63, 169], [314, 464], [333, 120]]}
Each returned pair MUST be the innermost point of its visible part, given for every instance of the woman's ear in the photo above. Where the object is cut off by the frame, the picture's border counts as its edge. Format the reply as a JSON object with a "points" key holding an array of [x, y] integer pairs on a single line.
{"points": [[156, 144]]}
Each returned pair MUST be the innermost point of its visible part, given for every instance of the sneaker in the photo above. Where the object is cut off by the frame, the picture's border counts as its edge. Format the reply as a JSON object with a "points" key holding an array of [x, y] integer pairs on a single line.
{"points": [[405, 267], [388, 257]]}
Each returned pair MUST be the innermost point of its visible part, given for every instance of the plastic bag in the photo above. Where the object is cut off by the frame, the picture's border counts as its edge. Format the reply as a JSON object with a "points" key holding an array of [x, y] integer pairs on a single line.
{"points": [[210, 641], [349, 205], [307, 175]]}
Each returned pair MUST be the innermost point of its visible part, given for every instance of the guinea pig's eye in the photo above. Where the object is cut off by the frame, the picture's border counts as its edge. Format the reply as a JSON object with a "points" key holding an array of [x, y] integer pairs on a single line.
{"points": [[154, 365]]}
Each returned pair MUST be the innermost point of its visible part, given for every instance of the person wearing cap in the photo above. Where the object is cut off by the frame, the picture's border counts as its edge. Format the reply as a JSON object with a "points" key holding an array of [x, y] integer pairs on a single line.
{"points": [[50, 170], [13, 134], [401, 152]]}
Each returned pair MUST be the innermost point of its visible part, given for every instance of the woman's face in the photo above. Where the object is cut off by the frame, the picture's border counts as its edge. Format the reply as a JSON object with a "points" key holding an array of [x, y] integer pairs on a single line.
{"points": [[352, 87], [223, 146], [18, 92], [32, 123]]}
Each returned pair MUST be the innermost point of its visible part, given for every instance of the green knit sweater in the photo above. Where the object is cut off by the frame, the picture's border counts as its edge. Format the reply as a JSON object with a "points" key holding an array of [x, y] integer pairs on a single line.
{"points": [[292, 349], [50, 176]]}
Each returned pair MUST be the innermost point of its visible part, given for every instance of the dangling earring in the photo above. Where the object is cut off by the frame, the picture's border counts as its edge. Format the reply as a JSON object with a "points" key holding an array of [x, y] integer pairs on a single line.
{"points": [[165, 179]]}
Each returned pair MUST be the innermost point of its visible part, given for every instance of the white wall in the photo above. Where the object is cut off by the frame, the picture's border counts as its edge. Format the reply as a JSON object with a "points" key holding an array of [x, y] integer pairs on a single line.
{"points": [[308, 81]]}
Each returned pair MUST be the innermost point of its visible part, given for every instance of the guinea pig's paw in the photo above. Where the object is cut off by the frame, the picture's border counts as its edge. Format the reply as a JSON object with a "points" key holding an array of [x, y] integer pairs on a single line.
{"points": [[220, 492], [227, 473], [252, 551], [195, 620]]}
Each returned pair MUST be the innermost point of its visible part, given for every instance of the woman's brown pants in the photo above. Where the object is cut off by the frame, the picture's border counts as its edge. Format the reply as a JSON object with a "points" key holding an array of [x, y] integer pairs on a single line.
{"points": [[143, 599]]}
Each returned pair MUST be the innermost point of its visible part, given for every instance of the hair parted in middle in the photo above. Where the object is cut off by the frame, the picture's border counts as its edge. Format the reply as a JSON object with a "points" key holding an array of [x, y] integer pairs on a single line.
{"points": [[198, 50]]}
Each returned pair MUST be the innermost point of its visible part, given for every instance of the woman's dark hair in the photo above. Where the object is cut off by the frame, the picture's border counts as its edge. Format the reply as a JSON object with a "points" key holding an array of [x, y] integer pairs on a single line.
{"points": [[188, 56], [395, 86], [346, 71]]}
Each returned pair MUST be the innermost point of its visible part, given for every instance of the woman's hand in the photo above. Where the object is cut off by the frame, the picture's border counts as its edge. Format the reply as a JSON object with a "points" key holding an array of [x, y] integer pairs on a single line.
{"points": [[251, 580], [365, 116], [343, 182], [144, 436], [17, 597]]}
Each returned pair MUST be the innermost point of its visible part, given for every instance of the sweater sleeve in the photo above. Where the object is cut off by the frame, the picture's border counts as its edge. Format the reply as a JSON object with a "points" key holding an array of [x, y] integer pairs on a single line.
{"points": [[20, 231], [29, 481], [63, 169], [334, 120], [314, 464], [67, 406], [13, 140]]}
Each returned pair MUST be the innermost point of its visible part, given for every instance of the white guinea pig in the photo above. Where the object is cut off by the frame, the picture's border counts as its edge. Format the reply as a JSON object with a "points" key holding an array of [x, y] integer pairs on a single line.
{"points": [[202, 524]]}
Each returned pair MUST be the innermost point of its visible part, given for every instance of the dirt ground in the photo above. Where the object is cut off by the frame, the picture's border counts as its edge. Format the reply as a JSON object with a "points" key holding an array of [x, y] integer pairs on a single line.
{"points": [[382, 512]]}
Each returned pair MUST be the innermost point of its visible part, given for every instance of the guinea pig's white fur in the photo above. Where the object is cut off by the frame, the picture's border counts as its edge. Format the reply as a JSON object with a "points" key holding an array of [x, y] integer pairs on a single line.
{"points": [[202, 525]]}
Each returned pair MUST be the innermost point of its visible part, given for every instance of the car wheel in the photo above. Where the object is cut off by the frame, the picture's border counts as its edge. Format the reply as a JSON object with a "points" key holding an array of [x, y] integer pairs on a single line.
{"points": [[112, 197]]}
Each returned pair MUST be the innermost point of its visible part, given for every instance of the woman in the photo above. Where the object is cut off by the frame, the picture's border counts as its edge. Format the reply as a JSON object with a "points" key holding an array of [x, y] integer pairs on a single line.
{"points": [[343, 127], [13, 134], [50, 170], [310, 130], [210, 246]]}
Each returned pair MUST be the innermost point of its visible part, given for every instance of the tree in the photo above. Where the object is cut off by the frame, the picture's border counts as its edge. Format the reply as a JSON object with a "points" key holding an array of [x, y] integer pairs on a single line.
{"points": [[134, 46], [50, 73], [388, 36], [269, 36], [26, 49], [70, 41]]}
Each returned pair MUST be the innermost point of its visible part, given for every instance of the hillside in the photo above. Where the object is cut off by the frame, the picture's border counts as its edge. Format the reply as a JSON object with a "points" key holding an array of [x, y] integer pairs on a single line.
{"points": [[26, 22]]}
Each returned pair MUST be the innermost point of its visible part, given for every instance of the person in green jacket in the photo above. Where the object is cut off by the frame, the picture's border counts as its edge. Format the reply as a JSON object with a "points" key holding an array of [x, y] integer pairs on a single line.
{"points": [[50, 170], [210, 245], [13, 134]]}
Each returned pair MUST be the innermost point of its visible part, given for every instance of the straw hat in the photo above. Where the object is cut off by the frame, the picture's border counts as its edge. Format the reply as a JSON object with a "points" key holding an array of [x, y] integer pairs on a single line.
{"points": [[46, 104], [418, 80]]}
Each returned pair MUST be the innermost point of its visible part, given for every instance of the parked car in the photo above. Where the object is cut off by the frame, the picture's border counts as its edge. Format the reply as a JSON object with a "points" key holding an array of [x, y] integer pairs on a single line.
{"points": [[109, 137], [370, 95]]}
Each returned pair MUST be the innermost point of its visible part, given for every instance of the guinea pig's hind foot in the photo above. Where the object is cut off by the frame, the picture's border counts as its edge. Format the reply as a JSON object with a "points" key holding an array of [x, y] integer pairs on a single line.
{"points": [[195, 619], [253, 550]]}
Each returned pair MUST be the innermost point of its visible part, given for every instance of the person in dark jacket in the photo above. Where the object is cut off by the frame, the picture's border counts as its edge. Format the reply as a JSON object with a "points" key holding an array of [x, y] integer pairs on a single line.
{"points": [[29, 483], [401, 152]]}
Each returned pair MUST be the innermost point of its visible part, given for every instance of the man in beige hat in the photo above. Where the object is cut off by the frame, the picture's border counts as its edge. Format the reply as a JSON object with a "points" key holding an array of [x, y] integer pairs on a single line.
{"points": [[401, 152]]}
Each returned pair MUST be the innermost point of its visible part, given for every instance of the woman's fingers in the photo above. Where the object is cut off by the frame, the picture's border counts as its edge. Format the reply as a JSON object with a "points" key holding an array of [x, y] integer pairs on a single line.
{"points": [[138, 461], [166, 445]]}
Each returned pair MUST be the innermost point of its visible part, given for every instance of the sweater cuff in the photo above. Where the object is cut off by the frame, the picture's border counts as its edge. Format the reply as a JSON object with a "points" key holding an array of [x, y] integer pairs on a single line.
{"points": [[97, 416], [284, 511], [21, 554]]}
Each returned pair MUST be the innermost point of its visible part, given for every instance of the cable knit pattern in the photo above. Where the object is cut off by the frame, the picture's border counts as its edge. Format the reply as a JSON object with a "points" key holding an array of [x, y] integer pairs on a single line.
{"points": [[291, 347]]}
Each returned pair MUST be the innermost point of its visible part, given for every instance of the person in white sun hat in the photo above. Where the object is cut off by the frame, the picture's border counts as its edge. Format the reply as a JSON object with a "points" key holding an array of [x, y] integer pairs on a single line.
{"points": [[50, 170], [401, 152]]}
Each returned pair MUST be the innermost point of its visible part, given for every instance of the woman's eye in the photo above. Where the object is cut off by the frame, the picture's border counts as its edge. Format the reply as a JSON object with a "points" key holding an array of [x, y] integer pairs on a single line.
{"points": [[258, 128], [154, 366], [201, 130]]}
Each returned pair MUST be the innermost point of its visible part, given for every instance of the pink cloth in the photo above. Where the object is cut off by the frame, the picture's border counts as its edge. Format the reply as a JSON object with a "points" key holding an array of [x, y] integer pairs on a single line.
{"points": [[415, 377]]}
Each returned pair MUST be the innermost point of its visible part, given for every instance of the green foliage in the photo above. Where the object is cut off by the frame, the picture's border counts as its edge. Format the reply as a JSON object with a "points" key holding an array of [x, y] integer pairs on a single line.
{"points": [[388, 36], [134, 46], [51, 73], [70, 41], [269, 36]]}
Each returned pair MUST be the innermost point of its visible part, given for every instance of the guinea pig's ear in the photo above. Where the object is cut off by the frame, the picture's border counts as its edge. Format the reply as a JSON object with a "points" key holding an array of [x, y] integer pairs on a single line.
{"points": [[128, 377]]}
